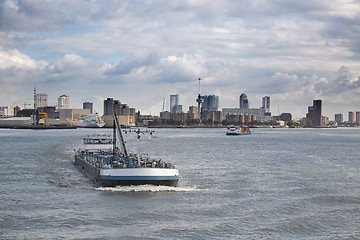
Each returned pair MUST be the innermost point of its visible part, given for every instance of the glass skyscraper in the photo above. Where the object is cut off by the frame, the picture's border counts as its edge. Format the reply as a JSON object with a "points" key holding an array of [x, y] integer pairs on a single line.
{"points": [[266, 104], [244, 103], [174, 102], [211, 103], [317, 113]]}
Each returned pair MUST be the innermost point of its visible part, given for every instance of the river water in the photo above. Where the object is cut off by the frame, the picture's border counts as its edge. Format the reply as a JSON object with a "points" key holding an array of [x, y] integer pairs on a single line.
{"points": [[272, 184]]}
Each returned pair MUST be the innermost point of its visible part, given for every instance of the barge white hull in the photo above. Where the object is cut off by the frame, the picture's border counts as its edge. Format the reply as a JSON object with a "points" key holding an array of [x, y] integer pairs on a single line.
{"points": [[128, 176]]}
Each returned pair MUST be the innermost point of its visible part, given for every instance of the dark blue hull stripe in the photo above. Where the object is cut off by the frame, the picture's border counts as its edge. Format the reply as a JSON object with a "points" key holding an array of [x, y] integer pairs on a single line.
{"points": [[128, 182], [140, 178]]}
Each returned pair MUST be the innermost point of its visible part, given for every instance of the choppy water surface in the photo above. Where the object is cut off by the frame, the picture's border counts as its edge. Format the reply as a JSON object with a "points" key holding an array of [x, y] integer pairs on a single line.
{"points": [[273, 184]]}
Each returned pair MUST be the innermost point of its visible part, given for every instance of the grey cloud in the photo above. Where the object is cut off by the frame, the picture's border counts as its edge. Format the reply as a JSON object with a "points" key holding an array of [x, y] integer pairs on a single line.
{"points": [[30, 15], [267, 47], [132, 63], [166, 70], [343, 83], [70, 62], [282, 82]]}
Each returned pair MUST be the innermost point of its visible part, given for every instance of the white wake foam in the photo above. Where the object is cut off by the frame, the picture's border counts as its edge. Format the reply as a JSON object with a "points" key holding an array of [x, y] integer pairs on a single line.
{"points": [[147, 188]]}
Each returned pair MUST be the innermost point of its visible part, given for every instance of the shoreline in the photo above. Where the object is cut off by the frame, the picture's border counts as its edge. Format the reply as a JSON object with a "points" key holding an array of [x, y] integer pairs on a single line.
{"points": [[38, 127]]}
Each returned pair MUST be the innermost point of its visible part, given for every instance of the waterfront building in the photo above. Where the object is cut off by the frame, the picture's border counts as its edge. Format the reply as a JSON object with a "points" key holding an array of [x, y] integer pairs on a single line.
{"points": [[68, 114], [108, 106], [126, 115], [240, 119], [165, 116], [16, 110], [243, 103], [213, 117], [339, 118], [175, 107], [310, 117], [252, 118], [266, 105], [313, 116], [88, 105], [247, 118], [286, 117], [351, 117], [210, 103], [193, 112], [7, 111], [41, 100], [174, 102], [117, 107], [232, 119], [15, 121], [180, 117], [146, 120], [230, 111], [63, 102], [357, 118], [258, 113], [324, 121], [317, 113]]}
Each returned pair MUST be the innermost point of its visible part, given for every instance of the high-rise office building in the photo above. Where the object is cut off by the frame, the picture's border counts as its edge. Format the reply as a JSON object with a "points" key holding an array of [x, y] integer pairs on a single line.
{"points": [[175, 107], [108, 106], [339, 118], [244, 103], [126, 115], [351, 117], [310, 117], [266, 104], [210, 103], [63, 102], [313, 116], [317, 113], [357, 118], [174, 101], [41, 100], [88, 105]]}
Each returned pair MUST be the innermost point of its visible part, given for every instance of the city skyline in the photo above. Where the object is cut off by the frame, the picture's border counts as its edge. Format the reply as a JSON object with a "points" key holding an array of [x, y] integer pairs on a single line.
{"points": [[265, 104], [141, 52]]}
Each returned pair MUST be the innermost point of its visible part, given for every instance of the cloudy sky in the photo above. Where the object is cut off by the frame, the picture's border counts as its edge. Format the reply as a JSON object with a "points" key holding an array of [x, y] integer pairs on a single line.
{"points": [[140, 52]]}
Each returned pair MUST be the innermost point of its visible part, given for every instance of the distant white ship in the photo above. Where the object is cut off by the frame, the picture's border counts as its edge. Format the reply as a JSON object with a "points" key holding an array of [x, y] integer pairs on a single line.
{"points": [[236, 130], [89, 121]]}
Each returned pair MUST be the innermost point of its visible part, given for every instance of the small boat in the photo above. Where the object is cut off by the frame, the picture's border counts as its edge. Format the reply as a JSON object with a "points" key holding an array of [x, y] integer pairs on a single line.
{"points": [[89, 121], [111, 166], [236, 130]]}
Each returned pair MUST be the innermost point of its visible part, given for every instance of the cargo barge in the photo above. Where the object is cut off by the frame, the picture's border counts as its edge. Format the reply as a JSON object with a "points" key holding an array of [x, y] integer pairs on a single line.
{"points": [[109, 166]]}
